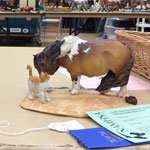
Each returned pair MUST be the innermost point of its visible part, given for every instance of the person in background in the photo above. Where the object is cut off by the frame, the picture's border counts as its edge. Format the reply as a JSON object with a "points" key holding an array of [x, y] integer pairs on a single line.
{"points": [[100, 27]]}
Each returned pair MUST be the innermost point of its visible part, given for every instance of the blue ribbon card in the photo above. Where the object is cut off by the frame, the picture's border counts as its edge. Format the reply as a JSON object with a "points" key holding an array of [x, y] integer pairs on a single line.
{"points": [[99, 138], [131, 123]]}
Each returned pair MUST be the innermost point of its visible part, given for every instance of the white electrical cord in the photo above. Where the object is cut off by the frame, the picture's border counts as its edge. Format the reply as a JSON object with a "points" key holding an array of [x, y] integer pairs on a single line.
{"points": [[5, 124]]}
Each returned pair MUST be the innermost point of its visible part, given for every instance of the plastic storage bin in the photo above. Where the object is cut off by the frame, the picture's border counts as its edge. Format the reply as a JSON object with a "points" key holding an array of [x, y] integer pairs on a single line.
{"points": [[109, 30]]}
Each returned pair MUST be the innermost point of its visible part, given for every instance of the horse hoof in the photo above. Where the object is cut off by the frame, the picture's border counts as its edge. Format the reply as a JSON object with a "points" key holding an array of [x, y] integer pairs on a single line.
{"points": [[74, 92]]}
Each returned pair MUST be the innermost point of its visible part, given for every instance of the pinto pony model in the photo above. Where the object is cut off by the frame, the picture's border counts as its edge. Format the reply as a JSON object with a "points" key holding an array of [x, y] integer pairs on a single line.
{"points": [[80, 57]]}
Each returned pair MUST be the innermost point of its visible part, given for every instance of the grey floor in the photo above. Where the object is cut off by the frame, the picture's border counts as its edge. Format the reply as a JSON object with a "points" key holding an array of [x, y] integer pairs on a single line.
{"points": [[51, 37]]}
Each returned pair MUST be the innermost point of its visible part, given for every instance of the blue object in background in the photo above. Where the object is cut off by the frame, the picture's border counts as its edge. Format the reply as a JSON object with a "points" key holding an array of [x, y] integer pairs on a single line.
{"points": [[105, 36]]}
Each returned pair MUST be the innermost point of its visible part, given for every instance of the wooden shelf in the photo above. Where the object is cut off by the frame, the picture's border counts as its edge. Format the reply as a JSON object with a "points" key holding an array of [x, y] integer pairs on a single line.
{"points": [[19, 35], [72, 14]]}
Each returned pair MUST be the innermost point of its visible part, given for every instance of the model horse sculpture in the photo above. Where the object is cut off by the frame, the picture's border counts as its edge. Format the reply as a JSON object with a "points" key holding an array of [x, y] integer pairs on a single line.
{"points": [[135, 3], [57, 3], [5, 4], [115, 5], [111, 5], [83, 4], [109, 58]]}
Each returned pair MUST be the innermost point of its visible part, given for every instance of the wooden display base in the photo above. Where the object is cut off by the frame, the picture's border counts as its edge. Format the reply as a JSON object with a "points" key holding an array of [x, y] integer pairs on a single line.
{"points": [[63, 103]]}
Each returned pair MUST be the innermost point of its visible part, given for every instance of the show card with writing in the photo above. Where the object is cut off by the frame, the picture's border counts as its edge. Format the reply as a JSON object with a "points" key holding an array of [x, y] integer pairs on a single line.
{"points": [[99, 138], [131, 123]]}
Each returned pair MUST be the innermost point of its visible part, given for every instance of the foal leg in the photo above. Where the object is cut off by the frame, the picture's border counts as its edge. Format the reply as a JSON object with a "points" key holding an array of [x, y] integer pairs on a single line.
{"points": [[122, 91], [75, 85]]}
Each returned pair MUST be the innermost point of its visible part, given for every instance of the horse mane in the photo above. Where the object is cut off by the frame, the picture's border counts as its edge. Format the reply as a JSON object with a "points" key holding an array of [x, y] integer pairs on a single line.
{"points": [[53, 51], [70, 46]]}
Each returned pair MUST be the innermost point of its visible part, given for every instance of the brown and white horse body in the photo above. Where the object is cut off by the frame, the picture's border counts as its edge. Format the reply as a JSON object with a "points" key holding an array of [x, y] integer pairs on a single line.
{"points": [[109, 58]]}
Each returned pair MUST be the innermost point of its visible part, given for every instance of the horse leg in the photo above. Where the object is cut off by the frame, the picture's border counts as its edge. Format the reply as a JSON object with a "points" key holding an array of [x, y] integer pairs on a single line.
{"points": [[106, 82], [70, 5], [122, 91], [49, 2], [75, 85]]}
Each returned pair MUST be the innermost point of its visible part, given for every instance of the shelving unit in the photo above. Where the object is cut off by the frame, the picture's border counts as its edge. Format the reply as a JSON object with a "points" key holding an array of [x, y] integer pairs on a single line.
{"points": [[24, 25], [6, 32], [141, 24]]}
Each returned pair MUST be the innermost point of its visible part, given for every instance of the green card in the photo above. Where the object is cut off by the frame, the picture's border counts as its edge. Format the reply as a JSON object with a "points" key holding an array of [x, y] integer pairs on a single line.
{"points": [[131, 123]]}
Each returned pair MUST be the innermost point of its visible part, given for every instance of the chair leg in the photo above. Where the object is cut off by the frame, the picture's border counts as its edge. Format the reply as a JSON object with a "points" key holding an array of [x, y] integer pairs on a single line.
{"points": [[45, 30], [57, 33], [59, 29]]}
